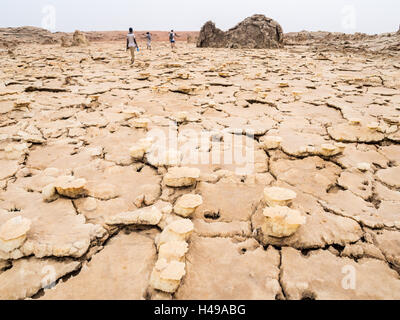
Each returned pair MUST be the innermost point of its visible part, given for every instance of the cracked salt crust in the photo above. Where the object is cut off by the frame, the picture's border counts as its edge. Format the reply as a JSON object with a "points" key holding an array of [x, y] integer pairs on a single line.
{"points": [[82, 130]]}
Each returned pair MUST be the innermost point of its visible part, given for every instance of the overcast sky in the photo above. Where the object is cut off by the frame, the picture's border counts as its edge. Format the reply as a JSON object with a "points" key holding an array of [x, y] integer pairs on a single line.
{"points": [[369, 16]]}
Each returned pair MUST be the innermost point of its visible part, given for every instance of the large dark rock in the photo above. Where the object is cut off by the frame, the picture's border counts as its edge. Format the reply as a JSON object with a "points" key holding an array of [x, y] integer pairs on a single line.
{"points": [[256, 32]]}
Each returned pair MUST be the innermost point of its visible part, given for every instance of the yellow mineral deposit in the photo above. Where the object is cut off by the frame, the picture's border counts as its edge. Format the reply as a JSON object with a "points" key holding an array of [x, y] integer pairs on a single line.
{"points": [[142, 123], [355, 121], [373, 126], [13, 233], [70, 187], [275, 196], [186, 205]]}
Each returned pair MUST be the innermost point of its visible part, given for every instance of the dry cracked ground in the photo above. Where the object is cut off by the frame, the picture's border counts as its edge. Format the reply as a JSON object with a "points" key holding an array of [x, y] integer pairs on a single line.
{"points": [[73, 160]]}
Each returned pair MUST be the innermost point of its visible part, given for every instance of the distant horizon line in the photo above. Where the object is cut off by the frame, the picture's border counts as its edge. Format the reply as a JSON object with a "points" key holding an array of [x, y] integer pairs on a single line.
{"points": [[137, 30]]}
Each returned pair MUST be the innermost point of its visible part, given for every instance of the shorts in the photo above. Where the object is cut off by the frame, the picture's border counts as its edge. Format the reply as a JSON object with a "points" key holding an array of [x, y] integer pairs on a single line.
{"points": [[172, 41]]}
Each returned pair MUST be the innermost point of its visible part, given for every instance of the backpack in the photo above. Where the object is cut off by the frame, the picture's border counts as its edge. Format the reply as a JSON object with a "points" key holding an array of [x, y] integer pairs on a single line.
{"points": [[171, 36]]}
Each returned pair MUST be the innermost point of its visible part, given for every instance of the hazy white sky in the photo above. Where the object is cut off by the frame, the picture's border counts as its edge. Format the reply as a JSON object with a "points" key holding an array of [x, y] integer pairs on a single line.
{"points": [[369, 16]]}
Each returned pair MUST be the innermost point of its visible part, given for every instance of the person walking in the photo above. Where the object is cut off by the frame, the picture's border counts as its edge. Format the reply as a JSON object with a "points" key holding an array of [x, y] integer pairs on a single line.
{"points": [[148, 37], [131, 44], [172, 36]]}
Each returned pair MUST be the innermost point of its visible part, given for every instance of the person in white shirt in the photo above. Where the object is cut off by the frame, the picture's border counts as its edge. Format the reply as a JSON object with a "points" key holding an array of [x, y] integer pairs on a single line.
{"points": [[131, 44]]}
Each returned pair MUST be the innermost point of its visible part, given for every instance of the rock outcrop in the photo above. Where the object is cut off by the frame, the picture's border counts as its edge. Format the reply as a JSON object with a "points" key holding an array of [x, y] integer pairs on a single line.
{"points": [[255, 32], [79, 39]]}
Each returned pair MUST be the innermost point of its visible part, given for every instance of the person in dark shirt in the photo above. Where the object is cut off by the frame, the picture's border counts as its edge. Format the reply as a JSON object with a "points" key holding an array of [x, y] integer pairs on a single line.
{"points": [[172, 40]]}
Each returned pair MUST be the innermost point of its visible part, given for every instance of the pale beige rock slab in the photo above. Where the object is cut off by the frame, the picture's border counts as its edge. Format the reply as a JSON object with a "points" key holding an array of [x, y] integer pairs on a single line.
{"points": [[321, 276], [8, 168], [124, 267], [390, 176], [389, 244], [56, 229], [28, 276], [251, 274], [222, 229], [217, 200]]}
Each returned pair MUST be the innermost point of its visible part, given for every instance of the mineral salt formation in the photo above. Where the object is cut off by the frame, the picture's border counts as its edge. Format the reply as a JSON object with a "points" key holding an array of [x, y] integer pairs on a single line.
{"points": [[138, 150], [166, 276], [270, 142], [172, 248], [13, 233], [146, 216], [275, 196], [179, 230], [256, 32], [140, 123], [364, 166], [187, 205], [282, 221], [181, 177], [162, 157], [328, 150], [49, 193], [70, 187]]}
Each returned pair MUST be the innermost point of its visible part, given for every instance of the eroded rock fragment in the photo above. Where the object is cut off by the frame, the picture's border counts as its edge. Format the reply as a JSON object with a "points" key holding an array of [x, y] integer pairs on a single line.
{"points": [[187, 204], [13, 233], [70, 187], [181, 177], [270, 142]]}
